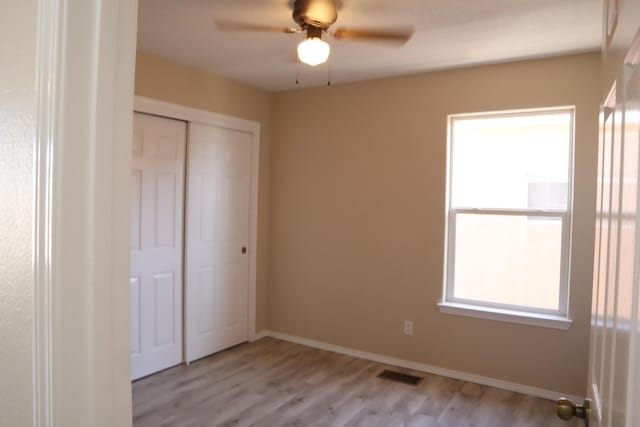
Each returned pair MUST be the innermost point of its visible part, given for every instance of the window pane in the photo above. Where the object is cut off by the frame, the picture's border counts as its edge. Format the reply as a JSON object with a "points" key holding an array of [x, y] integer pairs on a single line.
{"points": [[517, 162], [508, 259]]}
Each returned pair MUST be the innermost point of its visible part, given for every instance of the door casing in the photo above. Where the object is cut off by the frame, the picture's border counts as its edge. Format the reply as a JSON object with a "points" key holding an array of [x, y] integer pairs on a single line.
{"points": [[85, 67]]}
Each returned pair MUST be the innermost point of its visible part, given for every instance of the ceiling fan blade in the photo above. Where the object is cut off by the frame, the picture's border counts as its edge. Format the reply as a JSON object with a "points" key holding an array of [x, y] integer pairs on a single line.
{"points": [[244, 26], [393, 36]]}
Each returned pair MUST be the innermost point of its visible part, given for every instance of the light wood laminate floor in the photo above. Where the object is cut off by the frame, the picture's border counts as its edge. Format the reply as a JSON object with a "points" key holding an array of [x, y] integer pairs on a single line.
{"points": [[272, 383]]}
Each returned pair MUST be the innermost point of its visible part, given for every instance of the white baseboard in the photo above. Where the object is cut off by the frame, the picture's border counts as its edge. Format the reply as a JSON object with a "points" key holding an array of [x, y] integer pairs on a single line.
{"points": [[416, 366], [259, 335]]}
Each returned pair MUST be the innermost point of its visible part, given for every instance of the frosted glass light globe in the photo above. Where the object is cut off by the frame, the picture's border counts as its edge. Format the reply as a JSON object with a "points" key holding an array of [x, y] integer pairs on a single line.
{"points": [[313, 51]]}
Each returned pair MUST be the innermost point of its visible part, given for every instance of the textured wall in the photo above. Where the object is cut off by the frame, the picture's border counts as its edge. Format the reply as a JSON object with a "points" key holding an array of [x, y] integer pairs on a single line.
{"points": [[17, 111], [358, 214], [167, 81]]}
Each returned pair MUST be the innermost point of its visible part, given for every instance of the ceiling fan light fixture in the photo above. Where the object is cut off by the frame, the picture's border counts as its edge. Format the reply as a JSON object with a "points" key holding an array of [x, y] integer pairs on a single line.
{"points": [[313, 51]]}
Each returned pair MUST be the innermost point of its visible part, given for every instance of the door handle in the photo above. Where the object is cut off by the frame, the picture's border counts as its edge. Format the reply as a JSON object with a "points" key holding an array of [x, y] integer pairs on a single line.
{"points": [[244, 250], [566, 410]]}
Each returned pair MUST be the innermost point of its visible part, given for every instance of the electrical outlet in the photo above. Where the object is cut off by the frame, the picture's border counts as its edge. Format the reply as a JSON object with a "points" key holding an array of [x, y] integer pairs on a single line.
{"points": [[408, 327]]}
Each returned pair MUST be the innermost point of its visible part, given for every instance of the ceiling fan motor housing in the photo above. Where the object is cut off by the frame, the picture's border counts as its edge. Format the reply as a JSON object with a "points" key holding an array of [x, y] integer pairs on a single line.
{"points": [[315, 13]]}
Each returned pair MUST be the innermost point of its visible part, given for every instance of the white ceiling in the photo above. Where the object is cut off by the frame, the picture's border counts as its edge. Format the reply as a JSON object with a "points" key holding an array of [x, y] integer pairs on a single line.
{"points": [[447, 34]]}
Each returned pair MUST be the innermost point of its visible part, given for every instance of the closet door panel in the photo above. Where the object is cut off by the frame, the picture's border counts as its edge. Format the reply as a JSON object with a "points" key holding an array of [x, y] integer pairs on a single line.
{"points": [[217, 262], [157, 205]]}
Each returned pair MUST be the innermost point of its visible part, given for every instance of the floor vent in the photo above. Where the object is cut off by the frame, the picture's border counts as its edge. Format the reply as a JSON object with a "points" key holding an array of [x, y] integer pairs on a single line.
{"points": [[399, 378]]}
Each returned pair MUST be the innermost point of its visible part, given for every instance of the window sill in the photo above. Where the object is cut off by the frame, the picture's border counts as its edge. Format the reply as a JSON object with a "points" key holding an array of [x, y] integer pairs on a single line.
{"points": [[510, 316]]}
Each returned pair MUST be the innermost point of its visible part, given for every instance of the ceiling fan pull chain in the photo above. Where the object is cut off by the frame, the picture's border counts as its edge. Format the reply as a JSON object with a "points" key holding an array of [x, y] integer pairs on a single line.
{"points": [[297, 70], [329, 73]]}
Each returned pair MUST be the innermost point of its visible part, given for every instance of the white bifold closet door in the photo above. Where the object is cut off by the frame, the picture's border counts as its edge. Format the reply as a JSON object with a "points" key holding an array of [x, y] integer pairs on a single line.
{"points": [[217, 230], [157, 200]]}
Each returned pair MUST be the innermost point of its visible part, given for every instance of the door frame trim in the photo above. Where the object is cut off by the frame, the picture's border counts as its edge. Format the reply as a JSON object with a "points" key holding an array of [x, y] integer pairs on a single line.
{"points": [[82, 146], [147, 105], [47, 86]]}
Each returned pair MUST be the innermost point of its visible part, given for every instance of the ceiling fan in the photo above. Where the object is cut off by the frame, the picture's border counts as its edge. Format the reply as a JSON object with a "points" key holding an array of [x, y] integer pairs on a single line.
{"points": [[314, 17]]}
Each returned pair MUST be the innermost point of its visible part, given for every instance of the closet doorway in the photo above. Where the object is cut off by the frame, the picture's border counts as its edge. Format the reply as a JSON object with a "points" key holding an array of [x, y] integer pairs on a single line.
{"points": [[193, 234]]}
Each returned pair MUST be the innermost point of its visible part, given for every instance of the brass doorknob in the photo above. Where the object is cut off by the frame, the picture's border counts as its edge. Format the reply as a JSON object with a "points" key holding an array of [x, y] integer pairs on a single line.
{"points": [[244, 250], [566, 410]]}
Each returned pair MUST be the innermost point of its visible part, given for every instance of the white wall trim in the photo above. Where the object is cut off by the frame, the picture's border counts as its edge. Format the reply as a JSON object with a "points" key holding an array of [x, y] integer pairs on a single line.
{"points": [[147, 105], [260, 335], [48, 51], [84, 93], [422, 367], [166, 109], [551, 321]]}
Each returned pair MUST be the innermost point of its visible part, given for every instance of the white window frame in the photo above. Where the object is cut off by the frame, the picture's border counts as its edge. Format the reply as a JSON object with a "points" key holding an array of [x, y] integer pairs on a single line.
{"points": [[552, 318]]}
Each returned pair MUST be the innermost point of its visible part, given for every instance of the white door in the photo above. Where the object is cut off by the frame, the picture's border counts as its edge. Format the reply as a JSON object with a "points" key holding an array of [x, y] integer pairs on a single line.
{"points": [[614, 371], [157, 200], [217, 266]]}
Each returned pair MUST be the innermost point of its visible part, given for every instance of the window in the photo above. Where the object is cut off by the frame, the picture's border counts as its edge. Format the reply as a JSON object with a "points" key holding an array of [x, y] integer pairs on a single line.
{"points": [[509, 215]]}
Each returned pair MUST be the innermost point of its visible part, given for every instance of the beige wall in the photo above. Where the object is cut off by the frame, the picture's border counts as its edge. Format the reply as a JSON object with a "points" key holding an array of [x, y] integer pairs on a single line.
{"points": [[351, 216], [167, 81], [17, 135], [357, 218]]}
